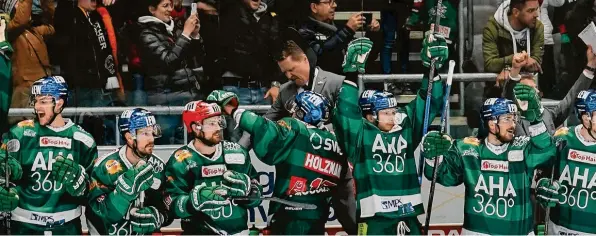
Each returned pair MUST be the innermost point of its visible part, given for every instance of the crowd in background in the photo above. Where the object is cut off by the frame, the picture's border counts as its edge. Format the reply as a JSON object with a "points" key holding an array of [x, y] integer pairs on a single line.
{"points": [[160, 53]]}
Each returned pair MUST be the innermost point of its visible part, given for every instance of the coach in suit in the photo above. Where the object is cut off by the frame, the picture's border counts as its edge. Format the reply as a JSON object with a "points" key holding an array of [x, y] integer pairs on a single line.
{"points": [[298, 63]]}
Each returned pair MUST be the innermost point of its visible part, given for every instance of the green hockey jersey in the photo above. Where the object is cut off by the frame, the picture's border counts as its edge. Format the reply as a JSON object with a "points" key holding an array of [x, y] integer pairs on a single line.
{"points": [[188, 168], [425, 11], [497, 181], [384, 163], [43, 202], [105, 216], [308, 163], [575, 170]]}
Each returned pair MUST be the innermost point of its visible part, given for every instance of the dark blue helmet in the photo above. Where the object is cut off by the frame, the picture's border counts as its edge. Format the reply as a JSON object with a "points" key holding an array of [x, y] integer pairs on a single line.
{"points": [[366, 100], [382, 101], [495, 107], [585, 102], [138, 118], [54, 86], [311, 108]]}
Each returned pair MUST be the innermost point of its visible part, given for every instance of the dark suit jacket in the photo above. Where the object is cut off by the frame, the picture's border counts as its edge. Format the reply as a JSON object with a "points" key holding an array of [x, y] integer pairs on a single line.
{"points": [[327, 84]]}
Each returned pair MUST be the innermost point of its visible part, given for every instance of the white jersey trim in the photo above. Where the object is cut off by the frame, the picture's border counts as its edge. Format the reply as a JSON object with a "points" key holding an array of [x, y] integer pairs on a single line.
{"points": [[554, 229], [373, 204], [465, 231], [26, 216]]}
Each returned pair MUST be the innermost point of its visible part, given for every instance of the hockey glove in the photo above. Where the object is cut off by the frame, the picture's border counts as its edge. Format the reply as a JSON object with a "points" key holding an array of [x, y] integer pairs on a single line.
{"points": [[434, 46], [145, 220], [134, 181], [15, 172], [70, 174], [203, 198], [356, 55], [237, 184], [256, 192], [9, 199], [565, 38], [435, 144], [547, 193], [223, 98], [528, 103]]}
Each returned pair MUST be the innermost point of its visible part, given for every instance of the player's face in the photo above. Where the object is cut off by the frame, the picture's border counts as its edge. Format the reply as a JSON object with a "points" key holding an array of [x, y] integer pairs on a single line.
{"points": [[588, 121], [146, 140], [296, 69], [213, 129], [162, 11], [529, 13], [506, 127], [386, 119], [45, 109]]}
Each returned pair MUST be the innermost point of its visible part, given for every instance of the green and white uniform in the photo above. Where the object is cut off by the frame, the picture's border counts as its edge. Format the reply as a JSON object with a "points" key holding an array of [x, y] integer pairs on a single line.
{"points": [[44, 205], [388, 191], [575, 171], [188, 168], [107, 215], [497, 180], [424, 11], [308, 166]]}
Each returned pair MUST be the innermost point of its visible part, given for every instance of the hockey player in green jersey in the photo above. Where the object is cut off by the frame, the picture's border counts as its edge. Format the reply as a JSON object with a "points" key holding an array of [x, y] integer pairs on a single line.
{"points": [[425, 12], [574, 194], [206, 174], [307, 159], [382, 151], [56, 157], [127, 185], [497, 171]]}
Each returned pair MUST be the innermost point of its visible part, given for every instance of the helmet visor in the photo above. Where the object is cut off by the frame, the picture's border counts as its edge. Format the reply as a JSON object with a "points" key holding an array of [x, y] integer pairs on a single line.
{"points": [[150, 131], [213, 124]]}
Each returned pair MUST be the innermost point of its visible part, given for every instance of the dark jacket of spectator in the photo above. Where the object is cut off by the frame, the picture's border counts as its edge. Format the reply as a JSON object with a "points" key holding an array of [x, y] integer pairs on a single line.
{"points": [[247, 45], [168, 62], [499, 44], [328, 42], [581, 15]]}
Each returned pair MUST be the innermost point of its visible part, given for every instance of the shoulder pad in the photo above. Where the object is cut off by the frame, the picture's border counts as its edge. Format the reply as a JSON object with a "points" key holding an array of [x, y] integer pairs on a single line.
{"points": [[84, 137], [101, 159], [26, 123], [472, 141], [182, 154], [520, 141], [561, 132]]}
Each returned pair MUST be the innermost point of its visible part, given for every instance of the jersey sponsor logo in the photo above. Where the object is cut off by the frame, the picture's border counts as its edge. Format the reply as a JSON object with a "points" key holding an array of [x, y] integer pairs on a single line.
{"points": [[48, 220], [318, 185], [561, 132], [470, 152], [213, 170], [29, 133], [520, 141], [235, 158], [397, 205], [515, 155], [231, 146], [581, 156], [13, 145], [395, 145], [84, 138], [579, 177], [95, 184], [157, 164], [113, 166], [494, 185], [494, 165], [101, 198], [327, 144], [284, 124], [181, 155], [55, 142], [297, 184], [472, 141], [322, 165], [26, 123], [191, 164], [170, 178]]}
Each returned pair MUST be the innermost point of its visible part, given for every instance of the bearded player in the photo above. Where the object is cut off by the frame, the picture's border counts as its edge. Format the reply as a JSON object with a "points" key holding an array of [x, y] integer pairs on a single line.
{"points": [[497, 171], [127, 188], [56, 157], [573, 195], [204, 175]]}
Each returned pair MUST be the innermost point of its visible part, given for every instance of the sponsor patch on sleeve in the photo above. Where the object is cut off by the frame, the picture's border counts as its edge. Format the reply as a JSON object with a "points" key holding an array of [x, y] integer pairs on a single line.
{"points": [[472, 141], [235, 158], [515, 155], [113, 166], [181, 155]]}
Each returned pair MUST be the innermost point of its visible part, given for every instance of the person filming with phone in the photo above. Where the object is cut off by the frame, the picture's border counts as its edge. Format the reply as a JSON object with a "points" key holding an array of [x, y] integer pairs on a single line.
{"points": [[328, 40]]}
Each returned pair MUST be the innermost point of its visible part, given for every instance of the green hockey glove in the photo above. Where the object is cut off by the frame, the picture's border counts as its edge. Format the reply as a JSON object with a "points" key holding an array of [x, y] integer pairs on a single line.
{"points": [[223, 98], [237, 184], [70, 174], [547, 193], [15, 172], [434, 46], [256, 192], [145, 220], [9, 199], [528, 103], [134, 181], [435, 144], [356, 55], [203, 198]]}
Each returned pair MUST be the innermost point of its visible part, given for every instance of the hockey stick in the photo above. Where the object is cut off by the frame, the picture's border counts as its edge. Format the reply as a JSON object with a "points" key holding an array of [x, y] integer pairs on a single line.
{"points": [[443, 124], [429, 88], [560, 147], [300, 205]]}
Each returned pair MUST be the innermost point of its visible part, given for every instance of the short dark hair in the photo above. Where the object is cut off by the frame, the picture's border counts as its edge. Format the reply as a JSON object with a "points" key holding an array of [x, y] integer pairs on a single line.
{"points": [[518, 4], [290, 49]]}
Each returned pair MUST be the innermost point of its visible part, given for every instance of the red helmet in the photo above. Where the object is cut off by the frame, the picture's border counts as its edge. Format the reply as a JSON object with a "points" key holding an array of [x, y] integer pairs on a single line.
{"points": [[197, 111]]}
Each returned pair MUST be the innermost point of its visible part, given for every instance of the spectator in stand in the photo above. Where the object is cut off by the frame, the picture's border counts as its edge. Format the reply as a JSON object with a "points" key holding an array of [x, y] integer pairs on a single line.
{"points": [[513, 28], [548, 77], [568, 52], [327, 40], [167, 60], [393, 18], [30, 60], [5, 74]]}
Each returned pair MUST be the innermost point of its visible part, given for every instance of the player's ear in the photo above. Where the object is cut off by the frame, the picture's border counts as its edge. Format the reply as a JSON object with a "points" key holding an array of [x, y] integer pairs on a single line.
{"points": [[128, 137], [59, 104], [196, 128]]}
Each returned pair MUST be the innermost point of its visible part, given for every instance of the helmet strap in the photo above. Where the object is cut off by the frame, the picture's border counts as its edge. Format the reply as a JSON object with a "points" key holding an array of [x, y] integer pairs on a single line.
{"points": [[135, 149], [498, 133]]}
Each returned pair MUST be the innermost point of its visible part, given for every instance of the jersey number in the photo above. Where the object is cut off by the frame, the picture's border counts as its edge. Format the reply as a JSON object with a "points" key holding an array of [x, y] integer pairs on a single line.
{"points": [[391, 164], [488, 208], [46, 185], [579, 199], [122, 230]]}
